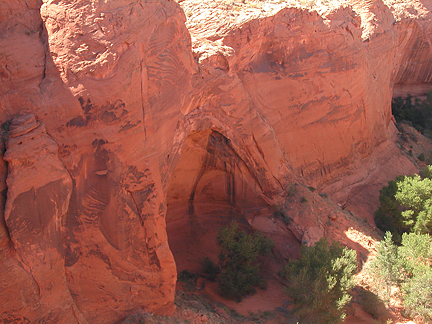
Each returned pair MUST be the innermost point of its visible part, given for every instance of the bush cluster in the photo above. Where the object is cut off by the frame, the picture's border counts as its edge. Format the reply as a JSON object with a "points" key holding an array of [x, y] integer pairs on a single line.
{"points": [[406, 205], [404, 257], [415, 195], [320, 281], [407, 267], [388, 217], [238, 261], [416, 112]]}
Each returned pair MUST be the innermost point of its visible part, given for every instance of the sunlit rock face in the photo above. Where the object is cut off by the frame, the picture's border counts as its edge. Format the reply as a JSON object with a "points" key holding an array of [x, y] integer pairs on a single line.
{"points": [[98, 90], [322, 80], [121, 119]]}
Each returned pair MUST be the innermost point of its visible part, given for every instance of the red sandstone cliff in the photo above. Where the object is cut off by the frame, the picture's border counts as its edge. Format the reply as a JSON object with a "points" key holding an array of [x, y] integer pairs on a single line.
{"points": [[115, 123], [84, 235]]}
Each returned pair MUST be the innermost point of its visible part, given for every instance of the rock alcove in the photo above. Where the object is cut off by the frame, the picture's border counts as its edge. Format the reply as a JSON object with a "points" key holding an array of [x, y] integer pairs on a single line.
{"points": [[210, 187]]}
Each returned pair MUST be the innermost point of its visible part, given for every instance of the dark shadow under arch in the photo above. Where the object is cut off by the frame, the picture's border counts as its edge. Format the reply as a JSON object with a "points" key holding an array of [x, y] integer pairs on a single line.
{"points": [[210, 187]]}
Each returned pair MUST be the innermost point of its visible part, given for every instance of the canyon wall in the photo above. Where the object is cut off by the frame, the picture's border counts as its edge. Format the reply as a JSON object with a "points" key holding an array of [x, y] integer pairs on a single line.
{"points": [[121, 118], [91, 94]]}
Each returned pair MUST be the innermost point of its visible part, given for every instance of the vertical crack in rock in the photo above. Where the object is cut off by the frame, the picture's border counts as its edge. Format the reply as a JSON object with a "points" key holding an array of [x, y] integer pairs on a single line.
{"points": [[143, 102], [44, 41]]}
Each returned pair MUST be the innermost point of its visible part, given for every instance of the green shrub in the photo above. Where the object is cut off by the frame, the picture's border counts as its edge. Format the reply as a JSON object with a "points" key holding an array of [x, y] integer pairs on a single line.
{"points": [[388, 217], [238, 261], [409, 268], [210, 269], [406, 205], [429, 159], [280, 214], [415, 253], [416, 256], [386, 267], [415, 195], [5, 130], [319, 283], [291, 190], [418, 114], [187, 277], [426, 172], [421, 157], [417, 298], [323, 195]]}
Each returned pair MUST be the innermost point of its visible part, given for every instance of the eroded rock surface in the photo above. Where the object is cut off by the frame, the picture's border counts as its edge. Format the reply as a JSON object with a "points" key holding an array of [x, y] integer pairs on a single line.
{"points": [[120, 116], [323, 79], [35, 209], [113, 78]]}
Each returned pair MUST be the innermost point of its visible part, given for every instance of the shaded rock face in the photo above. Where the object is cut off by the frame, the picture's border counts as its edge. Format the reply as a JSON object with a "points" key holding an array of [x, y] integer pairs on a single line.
{"points": [[413, 75], [119, 132], [211, 186]]}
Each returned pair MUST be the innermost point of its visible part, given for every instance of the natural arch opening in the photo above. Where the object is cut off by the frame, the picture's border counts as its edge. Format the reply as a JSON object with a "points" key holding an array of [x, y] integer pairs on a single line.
{"points": [[210, 187]]}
